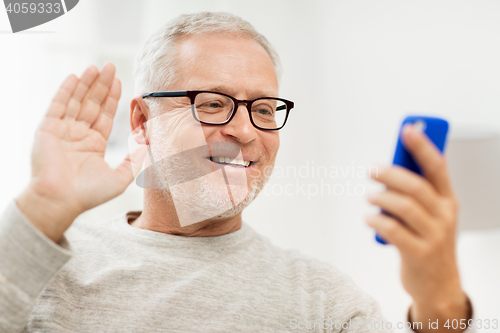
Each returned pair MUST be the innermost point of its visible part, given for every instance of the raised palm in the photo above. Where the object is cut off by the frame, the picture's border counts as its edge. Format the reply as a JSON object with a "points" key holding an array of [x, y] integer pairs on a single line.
{"points": [[68, 164]]}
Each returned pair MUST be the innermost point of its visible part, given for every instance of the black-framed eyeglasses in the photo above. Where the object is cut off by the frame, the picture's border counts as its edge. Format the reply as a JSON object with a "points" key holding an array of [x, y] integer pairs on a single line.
{"points": [[215, 108]]}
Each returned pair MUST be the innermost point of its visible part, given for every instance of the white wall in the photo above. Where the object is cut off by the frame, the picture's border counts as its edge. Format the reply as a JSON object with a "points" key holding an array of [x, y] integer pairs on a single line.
{"points": [[353, 67]]}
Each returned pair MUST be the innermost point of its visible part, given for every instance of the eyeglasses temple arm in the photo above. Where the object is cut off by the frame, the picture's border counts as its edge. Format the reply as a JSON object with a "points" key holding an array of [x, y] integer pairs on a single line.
{"points": [[166, 94]]}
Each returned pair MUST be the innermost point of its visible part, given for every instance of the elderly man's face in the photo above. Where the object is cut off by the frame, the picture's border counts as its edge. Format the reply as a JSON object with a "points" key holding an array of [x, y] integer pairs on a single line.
{"points": [[237, 66]]}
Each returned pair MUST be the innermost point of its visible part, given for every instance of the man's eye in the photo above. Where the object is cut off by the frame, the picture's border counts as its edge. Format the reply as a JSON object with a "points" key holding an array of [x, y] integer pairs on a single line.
{"points": [[210, 106], [264, 112], [214, 105]]}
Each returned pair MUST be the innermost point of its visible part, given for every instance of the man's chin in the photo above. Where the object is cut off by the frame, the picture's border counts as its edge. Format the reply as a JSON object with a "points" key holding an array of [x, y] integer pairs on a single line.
{"points": [[210, 197], [208, 202]]}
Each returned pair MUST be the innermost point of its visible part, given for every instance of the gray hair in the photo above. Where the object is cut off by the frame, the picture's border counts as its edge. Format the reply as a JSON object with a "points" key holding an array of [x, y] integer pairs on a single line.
{"points": [[155, 63]]}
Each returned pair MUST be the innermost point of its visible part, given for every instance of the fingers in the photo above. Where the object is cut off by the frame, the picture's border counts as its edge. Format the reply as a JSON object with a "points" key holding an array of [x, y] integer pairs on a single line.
{"points": [[393, 232], [58, 105], [95, 96], [402, 180], [404, 208], [92, 99], [75, 103], [104, 121], [429, 159]]}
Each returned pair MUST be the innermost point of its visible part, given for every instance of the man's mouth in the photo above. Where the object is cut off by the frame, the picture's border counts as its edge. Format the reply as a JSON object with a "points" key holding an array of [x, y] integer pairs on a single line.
{"points": [[230, 161]]}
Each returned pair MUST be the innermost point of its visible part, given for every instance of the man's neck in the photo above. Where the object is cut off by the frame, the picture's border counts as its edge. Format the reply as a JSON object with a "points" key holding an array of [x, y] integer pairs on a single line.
{"points": [[159, 215]]}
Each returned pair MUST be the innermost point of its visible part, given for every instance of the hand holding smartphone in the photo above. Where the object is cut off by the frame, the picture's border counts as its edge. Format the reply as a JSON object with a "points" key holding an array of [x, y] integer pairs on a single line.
{"points": [[435, 128]]}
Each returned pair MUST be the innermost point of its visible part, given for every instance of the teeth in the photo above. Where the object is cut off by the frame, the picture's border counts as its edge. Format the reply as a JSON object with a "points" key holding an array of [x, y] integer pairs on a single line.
{"points": [[228, 160]]}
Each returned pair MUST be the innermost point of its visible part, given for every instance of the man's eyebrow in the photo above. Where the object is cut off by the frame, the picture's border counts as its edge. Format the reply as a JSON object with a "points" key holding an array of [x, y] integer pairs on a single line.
{"points": [[220, 89], [227, 91]]}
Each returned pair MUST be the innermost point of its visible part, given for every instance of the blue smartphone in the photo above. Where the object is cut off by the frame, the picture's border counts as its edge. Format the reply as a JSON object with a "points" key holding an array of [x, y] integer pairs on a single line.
{"points": [[435, 128]]}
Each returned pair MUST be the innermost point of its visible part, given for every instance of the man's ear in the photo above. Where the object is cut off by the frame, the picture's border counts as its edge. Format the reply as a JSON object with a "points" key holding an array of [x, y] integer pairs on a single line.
{"points": [[139, 115]]}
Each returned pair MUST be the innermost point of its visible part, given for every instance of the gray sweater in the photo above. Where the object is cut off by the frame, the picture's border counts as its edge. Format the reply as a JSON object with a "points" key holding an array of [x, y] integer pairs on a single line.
{"points": [[112, 277]]}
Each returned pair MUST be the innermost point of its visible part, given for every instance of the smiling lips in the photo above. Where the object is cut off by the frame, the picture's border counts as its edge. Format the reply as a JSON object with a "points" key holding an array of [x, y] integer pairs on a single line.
{"points": [[230, 161]]}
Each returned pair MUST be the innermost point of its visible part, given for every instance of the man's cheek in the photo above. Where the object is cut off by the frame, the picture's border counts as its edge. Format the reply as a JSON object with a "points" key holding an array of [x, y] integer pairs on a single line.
{"points": [[272, 145], [210, 132], [187, 132], [274, 141]]}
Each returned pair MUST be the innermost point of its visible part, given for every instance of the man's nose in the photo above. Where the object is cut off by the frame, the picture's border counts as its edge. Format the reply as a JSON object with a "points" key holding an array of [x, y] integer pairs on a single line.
{"points": [[240, 127]]}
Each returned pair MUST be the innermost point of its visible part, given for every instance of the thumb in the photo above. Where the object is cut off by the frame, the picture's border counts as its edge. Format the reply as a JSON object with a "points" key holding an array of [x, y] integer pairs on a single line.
{"points": [[131, 165]]}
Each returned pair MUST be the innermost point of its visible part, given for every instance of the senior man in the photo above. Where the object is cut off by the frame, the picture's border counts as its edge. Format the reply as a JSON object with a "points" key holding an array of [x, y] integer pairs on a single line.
{"points": [[163, 270]]}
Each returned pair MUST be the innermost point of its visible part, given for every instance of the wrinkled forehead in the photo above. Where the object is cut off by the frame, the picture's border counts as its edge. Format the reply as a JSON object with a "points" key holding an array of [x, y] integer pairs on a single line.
{"points": [[233, 63]]}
